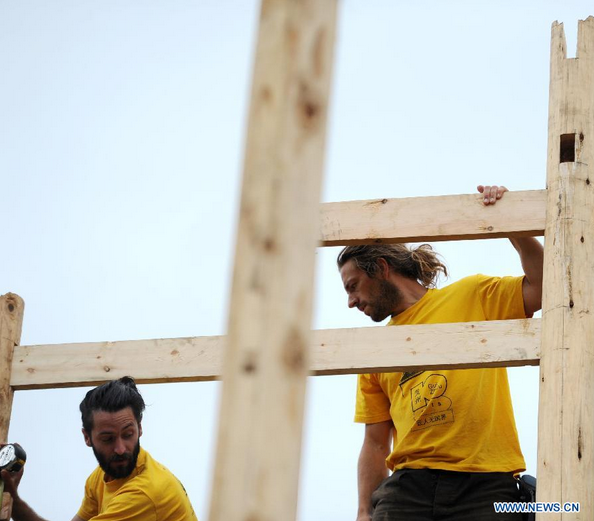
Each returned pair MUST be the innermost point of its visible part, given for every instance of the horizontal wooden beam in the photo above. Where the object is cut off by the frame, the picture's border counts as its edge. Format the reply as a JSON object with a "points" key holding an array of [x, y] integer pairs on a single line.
{"points": [[334, 351], [441, 218]]}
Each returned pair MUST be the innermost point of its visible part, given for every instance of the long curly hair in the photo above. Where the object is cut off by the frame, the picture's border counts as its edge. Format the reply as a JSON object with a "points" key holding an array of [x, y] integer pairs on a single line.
{"points": [[421, 264]]}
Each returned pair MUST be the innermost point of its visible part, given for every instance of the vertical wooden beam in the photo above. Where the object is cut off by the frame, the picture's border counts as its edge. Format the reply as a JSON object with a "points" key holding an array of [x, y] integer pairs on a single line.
{"points": [[566, 417], [266, 362], [11, 324]]}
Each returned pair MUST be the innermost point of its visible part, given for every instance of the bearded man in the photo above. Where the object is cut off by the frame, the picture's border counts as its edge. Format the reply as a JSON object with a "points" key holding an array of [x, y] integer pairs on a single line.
{"points": [[448, 436], [128, 484]]}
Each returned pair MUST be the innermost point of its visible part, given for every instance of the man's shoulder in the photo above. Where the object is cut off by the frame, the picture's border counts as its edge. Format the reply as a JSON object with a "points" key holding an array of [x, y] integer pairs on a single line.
{"points": [[160, 486], [472, 282], [469, 282], [151, 465], [96, 477], [152, 477]]}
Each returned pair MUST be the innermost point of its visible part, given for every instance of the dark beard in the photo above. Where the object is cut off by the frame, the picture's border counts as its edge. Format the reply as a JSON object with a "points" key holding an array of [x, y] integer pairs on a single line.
{"points": [[118, 472], [386, 302]]}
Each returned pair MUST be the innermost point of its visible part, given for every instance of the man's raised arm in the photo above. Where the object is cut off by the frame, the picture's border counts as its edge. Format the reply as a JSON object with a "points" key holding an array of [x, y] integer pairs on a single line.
{"points": [[531, 256]]}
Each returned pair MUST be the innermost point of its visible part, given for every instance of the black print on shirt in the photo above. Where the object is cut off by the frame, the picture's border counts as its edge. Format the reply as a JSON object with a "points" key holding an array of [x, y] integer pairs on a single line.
{"points": [[430, 406], [409, 376]]}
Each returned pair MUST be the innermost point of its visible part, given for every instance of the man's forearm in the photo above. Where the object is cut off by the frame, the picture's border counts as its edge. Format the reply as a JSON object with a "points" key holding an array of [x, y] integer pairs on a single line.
{"points": [[371, 471], [531, 256], [21, 511]]}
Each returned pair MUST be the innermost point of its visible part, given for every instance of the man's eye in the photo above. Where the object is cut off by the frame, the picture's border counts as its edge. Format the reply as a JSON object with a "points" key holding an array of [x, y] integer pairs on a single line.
{"points": [[106, 440]]}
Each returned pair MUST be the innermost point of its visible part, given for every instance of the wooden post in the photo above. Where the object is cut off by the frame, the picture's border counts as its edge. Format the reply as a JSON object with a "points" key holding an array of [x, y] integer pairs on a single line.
{"points": [[566, 418], [266, 362], [11, 323]]}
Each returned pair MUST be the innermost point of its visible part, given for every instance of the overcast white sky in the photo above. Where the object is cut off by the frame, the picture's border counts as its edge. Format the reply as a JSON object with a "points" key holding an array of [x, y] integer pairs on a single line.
{"points": [[121, 148]]}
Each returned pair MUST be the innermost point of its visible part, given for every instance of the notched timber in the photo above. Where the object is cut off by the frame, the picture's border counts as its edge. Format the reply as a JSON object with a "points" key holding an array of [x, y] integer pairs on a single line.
{"points": [[333, 352], [440, 218]]}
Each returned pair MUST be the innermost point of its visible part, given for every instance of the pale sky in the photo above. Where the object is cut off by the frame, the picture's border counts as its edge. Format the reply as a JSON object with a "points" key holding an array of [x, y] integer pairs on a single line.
{"points": [[121, 145]]}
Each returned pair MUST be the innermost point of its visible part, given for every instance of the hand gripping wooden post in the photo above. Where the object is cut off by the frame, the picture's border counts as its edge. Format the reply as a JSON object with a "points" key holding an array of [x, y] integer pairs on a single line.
{"points": [[11, 323], [566, 419], [266, 362]]}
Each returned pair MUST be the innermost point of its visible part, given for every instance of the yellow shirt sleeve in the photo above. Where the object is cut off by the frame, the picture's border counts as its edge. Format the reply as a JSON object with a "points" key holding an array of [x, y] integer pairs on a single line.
{"points": [[372, 405], [89, 507], [501, 297], [133, 505]]}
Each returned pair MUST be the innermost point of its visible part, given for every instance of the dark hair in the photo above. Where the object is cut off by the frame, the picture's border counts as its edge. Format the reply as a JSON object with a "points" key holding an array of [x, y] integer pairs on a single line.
{"points": [[421, 264], [111, 397]]}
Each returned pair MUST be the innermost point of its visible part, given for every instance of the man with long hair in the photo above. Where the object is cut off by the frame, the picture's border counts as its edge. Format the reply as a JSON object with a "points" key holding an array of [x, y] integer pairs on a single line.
{"points": [[448, 436], [128, 483]]}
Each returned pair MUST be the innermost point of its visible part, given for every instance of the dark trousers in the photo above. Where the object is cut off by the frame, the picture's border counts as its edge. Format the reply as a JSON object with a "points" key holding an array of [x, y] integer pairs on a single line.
{"points": [[443, 495]]}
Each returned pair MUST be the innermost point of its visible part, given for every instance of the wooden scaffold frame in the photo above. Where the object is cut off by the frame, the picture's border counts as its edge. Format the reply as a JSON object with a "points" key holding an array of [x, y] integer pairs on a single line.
{"points": [[269, 342]]}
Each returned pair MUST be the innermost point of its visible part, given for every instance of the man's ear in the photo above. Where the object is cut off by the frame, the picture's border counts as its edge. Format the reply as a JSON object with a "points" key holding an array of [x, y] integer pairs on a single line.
{"points": [[139, 430], [87, 438], [384, 268]]}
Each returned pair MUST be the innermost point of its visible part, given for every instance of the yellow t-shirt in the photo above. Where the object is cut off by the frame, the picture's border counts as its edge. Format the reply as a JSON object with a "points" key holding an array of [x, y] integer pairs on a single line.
{"points": [[150, 493], [459, 420]]}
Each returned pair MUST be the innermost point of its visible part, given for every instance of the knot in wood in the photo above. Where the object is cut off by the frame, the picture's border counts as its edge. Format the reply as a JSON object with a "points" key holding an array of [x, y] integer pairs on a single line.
{"points": [[269, 245], [249, 365], [309, 112], [294, 351], [266, 94], [309, 108]]}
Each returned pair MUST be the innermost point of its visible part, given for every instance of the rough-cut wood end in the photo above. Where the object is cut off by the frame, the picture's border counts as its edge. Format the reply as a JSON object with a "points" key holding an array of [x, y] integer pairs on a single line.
{"points": [[558, 45], [585, 41], [14, 304], [6, 510]]}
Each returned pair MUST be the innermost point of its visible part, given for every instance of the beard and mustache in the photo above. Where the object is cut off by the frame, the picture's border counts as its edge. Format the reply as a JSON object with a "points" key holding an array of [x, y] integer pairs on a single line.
{"points": [[118, 471], [387, 299]]}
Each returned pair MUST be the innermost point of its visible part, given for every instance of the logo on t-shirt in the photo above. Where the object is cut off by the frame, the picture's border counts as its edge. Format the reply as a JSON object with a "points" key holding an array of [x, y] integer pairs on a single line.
{"points": [[430, 406], [409, 376]]}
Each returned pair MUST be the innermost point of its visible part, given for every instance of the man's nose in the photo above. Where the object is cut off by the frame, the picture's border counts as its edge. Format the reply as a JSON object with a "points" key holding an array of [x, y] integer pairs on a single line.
{"points": [[120, 448], [352, 301]]}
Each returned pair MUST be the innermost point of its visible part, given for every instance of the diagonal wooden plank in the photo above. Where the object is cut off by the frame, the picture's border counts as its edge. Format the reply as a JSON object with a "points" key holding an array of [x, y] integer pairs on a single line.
{"points": [[439, 218], [266, 357], [333, 351]]}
